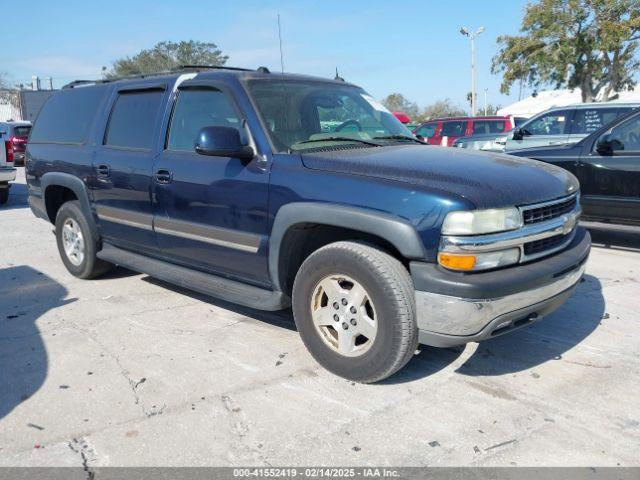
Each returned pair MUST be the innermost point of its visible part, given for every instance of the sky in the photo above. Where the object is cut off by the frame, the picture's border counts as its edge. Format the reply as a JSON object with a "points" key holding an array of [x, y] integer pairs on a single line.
{"points": [[413, 48]]}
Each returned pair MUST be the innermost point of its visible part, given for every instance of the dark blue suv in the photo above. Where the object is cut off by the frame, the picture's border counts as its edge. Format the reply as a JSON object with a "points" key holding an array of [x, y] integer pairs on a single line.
{"points": [[274, 190]]}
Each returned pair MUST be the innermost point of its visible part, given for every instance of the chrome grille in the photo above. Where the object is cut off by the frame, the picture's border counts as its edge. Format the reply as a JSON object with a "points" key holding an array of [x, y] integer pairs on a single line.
{"points": [[548, 211], [538, 246]]}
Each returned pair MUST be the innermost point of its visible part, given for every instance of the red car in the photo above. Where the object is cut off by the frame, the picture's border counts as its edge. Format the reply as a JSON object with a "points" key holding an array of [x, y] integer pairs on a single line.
{"points": [[444, 131], [14, 136]]}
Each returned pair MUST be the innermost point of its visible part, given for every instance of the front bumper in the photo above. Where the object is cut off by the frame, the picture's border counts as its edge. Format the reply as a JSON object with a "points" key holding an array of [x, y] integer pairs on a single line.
{"points": [[454, 308], [7, 174]]}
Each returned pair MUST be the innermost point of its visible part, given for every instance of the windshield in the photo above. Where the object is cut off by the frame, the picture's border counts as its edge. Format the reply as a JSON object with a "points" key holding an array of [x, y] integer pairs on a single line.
{"points": [[304, 115]]}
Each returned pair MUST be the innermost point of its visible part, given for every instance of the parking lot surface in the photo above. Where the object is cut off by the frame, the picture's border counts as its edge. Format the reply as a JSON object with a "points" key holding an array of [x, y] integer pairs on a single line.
{"points": [[127, 370]]}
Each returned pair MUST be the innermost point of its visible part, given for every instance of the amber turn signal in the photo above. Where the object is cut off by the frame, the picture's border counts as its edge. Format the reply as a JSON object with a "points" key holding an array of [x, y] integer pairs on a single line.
{"points": [[457, 262]]}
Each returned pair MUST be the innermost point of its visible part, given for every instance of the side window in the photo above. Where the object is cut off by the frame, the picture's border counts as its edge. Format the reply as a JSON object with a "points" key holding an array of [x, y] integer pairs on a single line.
{"points": [[626, 137], [427, 131], [488, 126], [133, 119], [587, 121], [553, 123], [196, 108], [454, 129]]}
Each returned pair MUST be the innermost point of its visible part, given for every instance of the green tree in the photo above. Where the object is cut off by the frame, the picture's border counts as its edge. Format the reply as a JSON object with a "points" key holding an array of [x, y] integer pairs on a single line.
{"points": [[396, 102], [586, 44], [165, 56], [442, 108]]}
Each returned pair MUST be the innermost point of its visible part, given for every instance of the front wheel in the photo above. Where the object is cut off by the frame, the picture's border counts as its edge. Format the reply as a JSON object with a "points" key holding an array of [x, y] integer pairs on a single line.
{"points": [[354, 307], [4, 195]]}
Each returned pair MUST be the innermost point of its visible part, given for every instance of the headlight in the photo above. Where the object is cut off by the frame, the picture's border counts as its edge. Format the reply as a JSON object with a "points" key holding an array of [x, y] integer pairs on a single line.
{"points": [[478, 222], [469, 262]]}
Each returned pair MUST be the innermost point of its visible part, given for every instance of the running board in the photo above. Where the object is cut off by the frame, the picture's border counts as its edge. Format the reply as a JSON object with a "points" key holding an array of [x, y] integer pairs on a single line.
{"points": [[225, 289]]}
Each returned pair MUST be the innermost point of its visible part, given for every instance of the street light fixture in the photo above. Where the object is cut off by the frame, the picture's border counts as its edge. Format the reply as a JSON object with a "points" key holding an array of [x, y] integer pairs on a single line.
{"points": [[472, 37]]}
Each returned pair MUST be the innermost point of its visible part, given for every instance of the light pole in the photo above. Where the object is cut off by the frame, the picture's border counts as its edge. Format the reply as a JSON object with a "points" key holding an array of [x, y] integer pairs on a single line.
{"points": [[472, 37], [485, 101]]}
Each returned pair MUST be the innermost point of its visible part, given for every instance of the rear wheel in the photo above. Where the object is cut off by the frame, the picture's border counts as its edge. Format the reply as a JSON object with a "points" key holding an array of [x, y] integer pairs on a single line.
{"points": [[4, 195], [355, 310], [76, 243]]}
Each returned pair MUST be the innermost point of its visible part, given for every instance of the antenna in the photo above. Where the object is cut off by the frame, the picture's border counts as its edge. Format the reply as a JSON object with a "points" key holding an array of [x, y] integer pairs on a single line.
{"points": [[280, 41]]}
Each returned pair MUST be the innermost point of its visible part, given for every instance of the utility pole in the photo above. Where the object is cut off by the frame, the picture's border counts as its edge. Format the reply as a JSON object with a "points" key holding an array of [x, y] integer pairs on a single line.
{"points": [[472, 38], [485, 101]]}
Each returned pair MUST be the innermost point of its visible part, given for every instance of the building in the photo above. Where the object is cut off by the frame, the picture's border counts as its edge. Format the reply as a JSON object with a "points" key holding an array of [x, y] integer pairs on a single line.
{"points": [[22, 104], [541, 101]]}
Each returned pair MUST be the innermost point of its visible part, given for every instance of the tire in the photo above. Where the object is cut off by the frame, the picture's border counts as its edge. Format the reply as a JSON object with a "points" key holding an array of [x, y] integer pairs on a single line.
{"points": [[71, 220], [389, 301], [4, 195]]}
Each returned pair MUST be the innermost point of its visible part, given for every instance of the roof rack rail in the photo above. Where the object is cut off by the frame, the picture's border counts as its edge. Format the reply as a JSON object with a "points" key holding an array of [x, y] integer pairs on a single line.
{"points": [[180, 68], [77, 83], [209, 67]]}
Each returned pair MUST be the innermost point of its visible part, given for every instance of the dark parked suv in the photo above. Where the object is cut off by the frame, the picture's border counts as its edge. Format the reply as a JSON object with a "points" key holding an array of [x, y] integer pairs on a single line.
{"points": [[273, 190]]}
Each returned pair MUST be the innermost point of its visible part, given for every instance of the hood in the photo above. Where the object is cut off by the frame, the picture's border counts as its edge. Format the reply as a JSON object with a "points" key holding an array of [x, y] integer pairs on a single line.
{"points": [[488, 180]]}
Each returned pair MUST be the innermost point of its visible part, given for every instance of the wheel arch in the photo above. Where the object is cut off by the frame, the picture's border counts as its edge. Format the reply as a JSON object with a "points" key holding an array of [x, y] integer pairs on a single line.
{"points": [[386, 231], [52, 180]]}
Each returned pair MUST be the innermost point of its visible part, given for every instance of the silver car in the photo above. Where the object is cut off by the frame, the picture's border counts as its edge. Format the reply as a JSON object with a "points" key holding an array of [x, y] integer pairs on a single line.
{"points": [[564, 124]]}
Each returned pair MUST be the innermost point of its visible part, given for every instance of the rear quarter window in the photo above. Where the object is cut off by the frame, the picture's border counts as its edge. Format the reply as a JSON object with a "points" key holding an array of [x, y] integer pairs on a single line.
{"points": [[67, 116], [488, 126], [587, 121], [22, 131]]}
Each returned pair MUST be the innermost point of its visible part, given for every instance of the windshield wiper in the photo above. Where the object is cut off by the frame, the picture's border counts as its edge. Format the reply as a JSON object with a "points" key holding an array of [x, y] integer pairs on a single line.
{"points": [[398, 137], [340, 139]]}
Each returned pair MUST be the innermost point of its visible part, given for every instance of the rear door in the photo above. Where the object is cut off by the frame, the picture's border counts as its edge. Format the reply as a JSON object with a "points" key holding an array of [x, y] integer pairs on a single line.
{"points": [[452, 129], [123, 163], [211, 212], [551, 128], [610, 184]]}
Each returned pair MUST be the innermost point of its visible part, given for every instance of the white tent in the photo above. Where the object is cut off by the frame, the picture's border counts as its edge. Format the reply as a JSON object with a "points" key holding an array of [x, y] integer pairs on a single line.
{"points": [[547, 99]]}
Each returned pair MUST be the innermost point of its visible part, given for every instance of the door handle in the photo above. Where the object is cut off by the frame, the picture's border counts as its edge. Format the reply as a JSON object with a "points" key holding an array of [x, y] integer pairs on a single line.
{"points": [[103, 170], [163, 176]]}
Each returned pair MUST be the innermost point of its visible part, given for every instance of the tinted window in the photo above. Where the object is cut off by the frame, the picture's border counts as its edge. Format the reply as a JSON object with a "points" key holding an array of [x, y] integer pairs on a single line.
{"points": [[427, 131], [589, 120], [22, 131], [627, 135], [488, 126], [553, 123], [67, 115], [133, 119], [454, 129], [197, 108]]}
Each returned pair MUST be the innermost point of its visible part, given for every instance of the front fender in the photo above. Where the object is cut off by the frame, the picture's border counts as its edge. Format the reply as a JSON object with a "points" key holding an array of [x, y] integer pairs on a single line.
{"points": [[395, 230]]}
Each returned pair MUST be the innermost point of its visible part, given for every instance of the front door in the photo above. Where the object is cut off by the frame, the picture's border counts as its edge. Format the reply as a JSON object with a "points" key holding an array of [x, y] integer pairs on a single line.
{"points": [[548, 129], [610, 184], [123, 165], [210, 212]]}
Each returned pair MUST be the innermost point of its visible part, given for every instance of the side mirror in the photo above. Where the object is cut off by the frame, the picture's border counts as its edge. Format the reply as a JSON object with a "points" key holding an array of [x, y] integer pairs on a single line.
{"points": [[222, 142], [607, 144], [420, 137], [518, 134]]}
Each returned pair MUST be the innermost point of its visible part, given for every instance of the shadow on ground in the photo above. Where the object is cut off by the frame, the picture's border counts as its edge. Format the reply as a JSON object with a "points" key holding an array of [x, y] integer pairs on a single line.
{"points": [[543, 341], [18, 197], [523, 349], [25, 295]]}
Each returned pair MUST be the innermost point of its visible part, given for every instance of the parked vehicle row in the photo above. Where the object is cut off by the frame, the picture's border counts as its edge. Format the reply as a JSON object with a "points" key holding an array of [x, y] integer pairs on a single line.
{"points": [[314, 196], [555, 126], [444, 131], [607, 164]]}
